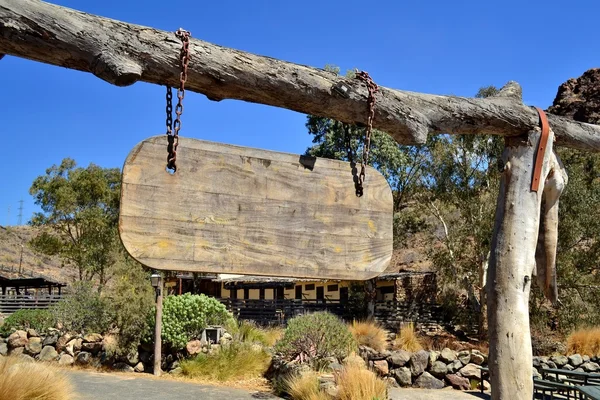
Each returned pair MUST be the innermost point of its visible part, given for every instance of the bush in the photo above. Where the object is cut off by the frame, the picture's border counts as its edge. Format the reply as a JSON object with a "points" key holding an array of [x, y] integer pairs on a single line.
{"points": [[315, 337], [186, 316], [83, 310], [584, 341], [232, 362], [22, 380], [407, 339], [369, 333], [40, 320], [357, 383]]}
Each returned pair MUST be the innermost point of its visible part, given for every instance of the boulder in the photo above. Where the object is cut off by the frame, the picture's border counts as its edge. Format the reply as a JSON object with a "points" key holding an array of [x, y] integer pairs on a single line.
{"points": [[62, 341], [16, 351], [26, 358], [176, 371], [403, 376], [458, 382], [536, 374], [579, 369], [193, 347], [77, 345], [3, 349], [447, 355], [418, 362], [381, 367], [34, 346], [48, 353], [399, 358], [427, 381], [92, 338], [70, 348], [433, 356], [536, 361], [330, 388], [66, 359], [575, 360], [123, 367], [133, 358], [391, 382], [486, 386], [32, 333], [139, 367], [50, 340], [454, 366], [560, 361], [590, 366], [83, 358], [568, 367], [551, 364], [585, 358], [92, 347], [470, 371], [17, 339], [477, 358], [464, 357], [439, 369]]}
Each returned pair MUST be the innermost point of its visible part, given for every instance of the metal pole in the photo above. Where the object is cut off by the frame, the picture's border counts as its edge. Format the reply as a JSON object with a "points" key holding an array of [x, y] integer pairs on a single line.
{"points": [[158, 328]]}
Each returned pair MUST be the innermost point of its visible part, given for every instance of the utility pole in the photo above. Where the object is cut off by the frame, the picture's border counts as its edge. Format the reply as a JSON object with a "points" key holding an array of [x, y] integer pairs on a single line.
{"points": [[20, 219], [21, 259]]}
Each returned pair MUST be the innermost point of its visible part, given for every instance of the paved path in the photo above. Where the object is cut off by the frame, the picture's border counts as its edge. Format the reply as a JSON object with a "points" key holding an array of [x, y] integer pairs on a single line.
{"points": [[441, 394], [102, 386]]}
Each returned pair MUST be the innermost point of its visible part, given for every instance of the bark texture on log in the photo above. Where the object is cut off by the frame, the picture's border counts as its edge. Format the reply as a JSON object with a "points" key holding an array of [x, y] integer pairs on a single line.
{"points": [[122, 53]]}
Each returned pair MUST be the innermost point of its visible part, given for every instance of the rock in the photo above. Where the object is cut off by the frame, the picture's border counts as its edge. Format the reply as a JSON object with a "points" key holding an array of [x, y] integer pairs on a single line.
{"points": [[579, 370], [390, 382], [32, 333], [3, 349], [458, 382], [575, 360], [560, 361], [123, 367], [92, 338], [477, 358], [77, 345], [551, 364], [146, 357], [70, 348], [585, 358], [464, 357], [193, 347], [66, 359], [330, 388], [590, 366], [439, 369], [83, 358], [447, 355], [470, 371], [536, 361], [433, 356], [568, 367], [381, 366], [26, 358], [454, 366], [132, 358], [92, 347], [176, 371], [486, 386], [50, 340], [17, 351], [403, 376], [418, 362], [62, 341], [34, 346], [536, 374], [174, 365], [17, 339], [544, 366], [48, 353], [139, 367], [427, 381], [485, 357], [399, 358]]}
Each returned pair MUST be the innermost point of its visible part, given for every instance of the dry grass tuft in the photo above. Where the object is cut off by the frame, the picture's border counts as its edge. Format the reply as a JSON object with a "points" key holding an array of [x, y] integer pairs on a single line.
{"points": [[272, 335], [407, 339], [23, 380], [584, 341], [305, 386], [356, 383], [369, 333]]}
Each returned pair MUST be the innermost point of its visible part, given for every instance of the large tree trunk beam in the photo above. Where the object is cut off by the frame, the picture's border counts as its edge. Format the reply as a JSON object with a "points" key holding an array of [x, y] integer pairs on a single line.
{"points": [[122, 53]]}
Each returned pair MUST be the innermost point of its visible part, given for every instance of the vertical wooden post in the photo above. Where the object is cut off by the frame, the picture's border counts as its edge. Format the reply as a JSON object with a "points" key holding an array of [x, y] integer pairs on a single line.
{"points": [[158, 328]]}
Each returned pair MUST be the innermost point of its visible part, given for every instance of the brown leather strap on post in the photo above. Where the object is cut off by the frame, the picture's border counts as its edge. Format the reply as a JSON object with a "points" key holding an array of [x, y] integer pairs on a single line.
{"points": [[539, 158]]}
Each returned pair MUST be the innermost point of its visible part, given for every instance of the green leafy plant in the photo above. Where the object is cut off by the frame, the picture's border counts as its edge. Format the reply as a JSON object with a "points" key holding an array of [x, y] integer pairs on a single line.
{"points": [[40, 320], [314, 337], [186, 316]]}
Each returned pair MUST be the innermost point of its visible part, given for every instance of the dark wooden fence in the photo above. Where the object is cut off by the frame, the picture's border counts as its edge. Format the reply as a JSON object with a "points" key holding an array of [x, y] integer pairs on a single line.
{"points": [[391, 314], [9, 304]]}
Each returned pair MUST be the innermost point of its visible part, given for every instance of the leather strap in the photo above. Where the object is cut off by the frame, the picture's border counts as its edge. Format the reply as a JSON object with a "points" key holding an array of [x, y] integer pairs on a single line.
{"points": [[539, 157]]}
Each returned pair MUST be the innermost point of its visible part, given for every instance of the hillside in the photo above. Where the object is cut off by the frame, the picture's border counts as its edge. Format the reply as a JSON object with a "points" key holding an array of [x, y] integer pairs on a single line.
{"points": [[33, 264]]}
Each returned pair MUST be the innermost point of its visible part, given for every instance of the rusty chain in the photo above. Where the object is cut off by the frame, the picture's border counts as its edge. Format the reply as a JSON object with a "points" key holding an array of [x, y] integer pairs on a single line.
{"points": [[173, 127], [373, 88]]}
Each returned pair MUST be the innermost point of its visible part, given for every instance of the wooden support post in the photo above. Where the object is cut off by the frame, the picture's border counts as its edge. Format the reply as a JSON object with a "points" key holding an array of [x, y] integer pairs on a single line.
{"points": [[158, 328]]}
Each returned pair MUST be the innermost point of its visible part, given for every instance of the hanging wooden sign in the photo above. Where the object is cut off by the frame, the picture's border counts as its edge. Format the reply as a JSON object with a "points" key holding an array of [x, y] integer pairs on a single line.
{"points": [[231, 209]]}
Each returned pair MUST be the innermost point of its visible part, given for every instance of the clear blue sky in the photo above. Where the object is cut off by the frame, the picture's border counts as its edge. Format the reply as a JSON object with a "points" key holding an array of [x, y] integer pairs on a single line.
{"points": [[440, 47]]}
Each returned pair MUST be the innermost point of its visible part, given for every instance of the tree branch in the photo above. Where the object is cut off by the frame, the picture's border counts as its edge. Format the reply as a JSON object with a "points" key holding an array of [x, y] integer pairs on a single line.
{"points": [[122, 54]]}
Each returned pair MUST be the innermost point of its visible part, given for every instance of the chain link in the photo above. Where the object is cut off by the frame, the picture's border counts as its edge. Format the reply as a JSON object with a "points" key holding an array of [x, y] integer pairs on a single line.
{"points": [[373, 88], [173, 127]]}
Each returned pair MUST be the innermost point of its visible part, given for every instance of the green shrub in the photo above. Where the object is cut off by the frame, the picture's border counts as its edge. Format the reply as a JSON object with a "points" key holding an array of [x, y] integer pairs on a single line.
{"points": [[84, 310], [232, 362], [186, 316], [315, 337], [40, 320]]}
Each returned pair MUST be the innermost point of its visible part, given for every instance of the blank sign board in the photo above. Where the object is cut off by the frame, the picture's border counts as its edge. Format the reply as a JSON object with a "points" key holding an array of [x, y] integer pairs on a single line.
{"points": [[231, 209]]}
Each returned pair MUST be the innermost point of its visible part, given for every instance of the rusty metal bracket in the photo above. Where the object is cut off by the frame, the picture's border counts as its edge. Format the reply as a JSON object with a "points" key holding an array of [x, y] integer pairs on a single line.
{"points": [[539, 157]]}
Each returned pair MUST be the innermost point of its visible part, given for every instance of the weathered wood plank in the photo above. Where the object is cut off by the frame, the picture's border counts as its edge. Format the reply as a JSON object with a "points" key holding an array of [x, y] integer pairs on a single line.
{"points": [[231, 209]]}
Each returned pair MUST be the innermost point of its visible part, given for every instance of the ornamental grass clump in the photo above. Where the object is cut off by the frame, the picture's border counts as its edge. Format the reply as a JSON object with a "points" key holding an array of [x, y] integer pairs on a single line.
{"points": [[407, 339], [24, 380], [584, 341], [370, 334]]}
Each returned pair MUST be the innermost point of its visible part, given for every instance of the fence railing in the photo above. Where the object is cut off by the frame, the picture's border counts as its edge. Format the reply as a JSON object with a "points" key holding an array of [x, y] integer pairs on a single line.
{"points": [[393, 313], [9, 304]]}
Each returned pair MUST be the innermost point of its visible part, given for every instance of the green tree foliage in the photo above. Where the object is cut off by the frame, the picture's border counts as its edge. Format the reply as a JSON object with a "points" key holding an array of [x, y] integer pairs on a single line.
{"points": [[79, 217], [24, 319], [186, 316], [315, 337]]}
